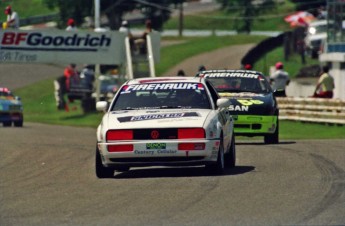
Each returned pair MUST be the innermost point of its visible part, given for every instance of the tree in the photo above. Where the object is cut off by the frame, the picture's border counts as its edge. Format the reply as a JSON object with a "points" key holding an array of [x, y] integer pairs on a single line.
{"points": [[76, 9], [156, 10], [246, 11]]}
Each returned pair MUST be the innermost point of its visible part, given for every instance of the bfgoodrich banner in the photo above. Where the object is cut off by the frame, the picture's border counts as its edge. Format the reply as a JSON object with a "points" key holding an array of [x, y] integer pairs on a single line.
{"points": [[37, 46]]}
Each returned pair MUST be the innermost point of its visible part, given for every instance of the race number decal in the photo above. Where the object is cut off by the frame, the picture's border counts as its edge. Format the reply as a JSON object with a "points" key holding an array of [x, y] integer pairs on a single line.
{"points": [[250, 102]]}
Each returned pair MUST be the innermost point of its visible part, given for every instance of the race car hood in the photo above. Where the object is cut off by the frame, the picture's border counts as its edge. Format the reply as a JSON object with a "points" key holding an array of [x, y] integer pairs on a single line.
{"points": [[156, 118], [251, 103]]}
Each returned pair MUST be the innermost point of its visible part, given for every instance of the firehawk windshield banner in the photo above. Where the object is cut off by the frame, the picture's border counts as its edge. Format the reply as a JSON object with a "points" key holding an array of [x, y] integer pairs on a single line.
{"points": [[57, 46]]}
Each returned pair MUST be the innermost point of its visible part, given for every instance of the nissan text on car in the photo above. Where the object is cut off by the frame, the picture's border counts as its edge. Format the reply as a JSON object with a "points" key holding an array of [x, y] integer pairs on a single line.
{"points": [[253, 104], [165, 121]]}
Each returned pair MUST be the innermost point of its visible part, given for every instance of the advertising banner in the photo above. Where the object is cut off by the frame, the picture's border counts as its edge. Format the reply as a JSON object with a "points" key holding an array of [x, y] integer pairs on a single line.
{"points": [[59, 46]]}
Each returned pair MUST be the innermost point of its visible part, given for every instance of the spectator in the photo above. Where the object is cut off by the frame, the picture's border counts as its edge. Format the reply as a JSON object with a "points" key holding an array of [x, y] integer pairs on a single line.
{"points": [[181, 73], [71, 72], [72, 76], [71, 26], [279, 80], [325, 85], [87, 76], [140, 42], [148, 29], [201, 68], [60, 90], [12, 18], [248, 67], [125, 29], [301, 49], [322, 13]]}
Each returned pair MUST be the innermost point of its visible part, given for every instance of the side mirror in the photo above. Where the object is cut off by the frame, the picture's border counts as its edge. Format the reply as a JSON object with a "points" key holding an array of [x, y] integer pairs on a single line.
{"points": [[17, 98], [223, 103], [102, 106]]}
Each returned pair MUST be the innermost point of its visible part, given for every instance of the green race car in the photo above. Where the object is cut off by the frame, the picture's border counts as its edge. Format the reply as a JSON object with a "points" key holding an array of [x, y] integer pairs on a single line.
{"points": [[254, 105]]}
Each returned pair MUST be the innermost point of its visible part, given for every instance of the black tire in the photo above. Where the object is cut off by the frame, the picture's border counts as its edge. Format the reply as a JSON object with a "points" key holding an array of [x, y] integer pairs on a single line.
{"points": [[88, 104], [7, 124], [101, 171], [230, 157], [219, 166], [274, 137], [18, 123]]}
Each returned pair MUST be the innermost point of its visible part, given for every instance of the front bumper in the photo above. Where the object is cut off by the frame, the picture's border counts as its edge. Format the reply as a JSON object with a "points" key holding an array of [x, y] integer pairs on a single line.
{"points": [[169, 156], [255, 125], [11, 116]]}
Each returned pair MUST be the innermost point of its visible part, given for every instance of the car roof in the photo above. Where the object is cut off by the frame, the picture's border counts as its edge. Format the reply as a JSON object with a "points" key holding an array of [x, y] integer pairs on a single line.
{"points": [[164, 79], [4, 89], [200, 74]]}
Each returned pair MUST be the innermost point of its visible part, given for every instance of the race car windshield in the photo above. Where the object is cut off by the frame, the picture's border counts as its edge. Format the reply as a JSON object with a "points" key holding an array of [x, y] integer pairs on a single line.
{"points": [[236, 85], [6, 96], [162, 96]]}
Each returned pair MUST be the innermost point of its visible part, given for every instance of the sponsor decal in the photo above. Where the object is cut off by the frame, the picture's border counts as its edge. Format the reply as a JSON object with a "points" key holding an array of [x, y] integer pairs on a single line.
{"points": [[232, 75], [241, 95], [152, 152], [238, 108], [144, 152], [38, 41], [162, 86], [36, 46], [154, 134], [166, 151], [244, 104], [156, 146], [249, 102], [157, 116]]}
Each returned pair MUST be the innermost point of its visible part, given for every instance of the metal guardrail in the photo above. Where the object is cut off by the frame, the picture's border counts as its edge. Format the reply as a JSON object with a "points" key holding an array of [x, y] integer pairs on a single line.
{"points": [[317, 110], [38, 19]]}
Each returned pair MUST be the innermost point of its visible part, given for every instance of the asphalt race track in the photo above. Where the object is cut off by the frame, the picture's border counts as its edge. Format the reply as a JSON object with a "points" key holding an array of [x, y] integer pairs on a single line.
{"points": [[47, 178]]}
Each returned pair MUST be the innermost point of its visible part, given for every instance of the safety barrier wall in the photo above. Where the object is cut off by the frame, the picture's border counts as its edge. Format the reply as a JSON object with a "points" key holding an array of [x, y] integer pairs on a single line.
{"points": [[38, 19], [317, 110]]}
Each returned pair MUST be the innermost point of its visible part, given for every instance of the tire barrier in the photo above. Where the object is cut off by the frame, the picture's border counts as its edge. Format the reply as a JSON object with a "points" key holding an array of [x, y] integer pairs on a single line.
{"points": [[316, 110]]}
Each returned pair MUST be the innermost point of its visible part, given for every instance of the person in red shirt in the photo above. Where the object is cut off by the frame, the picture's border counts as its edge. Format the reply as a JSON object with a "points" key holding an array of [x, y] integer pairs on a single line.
{"points": [[71, 75]]}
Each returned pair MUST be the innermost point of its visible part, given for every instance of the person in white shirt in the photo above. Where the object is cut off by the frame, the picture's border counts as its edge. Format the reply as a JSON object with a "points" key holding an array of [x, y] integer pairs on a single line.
{"points": [[12, 18], [71, 25], [125, 28], [279, 80]]}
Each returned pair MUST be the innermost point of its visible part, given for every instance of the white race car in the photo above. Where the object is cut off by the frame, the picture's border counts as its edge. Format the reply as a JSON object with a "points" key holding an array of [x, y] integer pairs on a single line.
{"points": [[165, 121]]}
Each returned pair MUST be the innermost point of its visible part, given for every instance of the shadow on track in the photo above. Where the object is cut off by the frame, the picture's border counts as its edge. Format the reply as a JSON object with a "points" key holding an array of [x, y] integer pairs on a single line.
{"points": [[261, 143], [178, 172]]}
